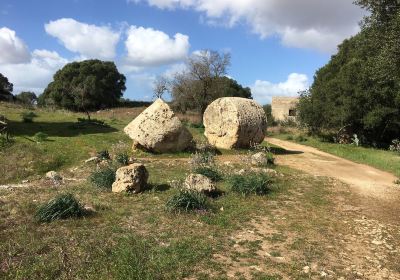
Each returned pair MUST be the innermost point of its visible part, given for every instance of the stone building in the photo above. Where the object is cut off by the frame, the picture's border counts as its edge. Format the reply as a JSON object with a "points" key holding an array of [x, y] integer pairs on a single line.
{"points": [[284, 108]]}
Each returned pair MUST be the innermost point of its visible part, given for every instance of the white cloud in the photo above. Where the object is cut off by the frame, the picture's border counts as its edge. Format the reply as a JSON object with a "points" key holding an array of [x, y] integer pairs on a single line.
{"points": [[35, 74], [263, 91], [314, 24], [147, 47], [90, 41], [12, 48]]}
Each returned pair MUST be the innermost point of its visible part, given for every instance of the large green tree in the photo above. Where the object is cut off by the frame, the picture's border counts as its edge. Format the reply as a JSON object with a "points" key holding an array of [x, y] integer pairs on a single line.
{"points": [[6, 88], [26, 98], [85, 86], [359, 89]]}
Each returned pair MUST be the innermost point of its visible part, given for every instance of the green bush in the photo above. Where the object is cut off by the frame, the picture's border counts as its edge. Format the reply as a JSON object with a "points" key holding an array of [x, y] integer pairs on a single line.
{"points": [[300, 138], [289, 137], [254, 183], [62, 207], [210, 172], [270, 158], [40, 137], [187, 200], [103, 178], [27, 117], [122, 158], [103, 155]]}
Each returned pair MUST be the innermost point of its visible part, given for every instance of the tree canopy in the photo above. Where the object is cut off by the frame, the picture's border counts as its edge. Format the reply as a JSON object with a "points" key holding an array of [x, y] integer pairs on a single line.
{"points": [[359, 89], [26, 98], [85, 86], [6, 88], [204, 81]]}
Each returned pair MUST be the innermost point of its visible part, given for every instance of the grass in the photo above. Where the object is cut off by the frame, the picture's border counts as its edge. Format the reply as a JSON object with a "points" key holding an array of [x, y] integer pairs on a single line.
{"points": [[62, 207], [253, 183], [210, 172], [103, 178], [186, 200], [378, 158]]}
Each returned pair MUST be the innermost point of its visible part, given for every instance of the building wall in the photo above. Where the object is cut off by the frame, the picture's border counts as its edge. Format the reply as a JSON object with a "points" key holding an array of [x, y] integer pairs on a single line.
{"points": [[281, 106]]}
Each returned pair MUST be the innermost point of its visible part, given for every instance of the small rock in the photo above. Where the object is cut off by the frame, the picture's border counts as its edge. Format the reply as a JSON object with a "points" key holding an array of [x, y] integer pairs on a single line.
{"points": [[199, 183], [306, 269], [131, 178], [52, 175], [323, 274], [259, 159]]}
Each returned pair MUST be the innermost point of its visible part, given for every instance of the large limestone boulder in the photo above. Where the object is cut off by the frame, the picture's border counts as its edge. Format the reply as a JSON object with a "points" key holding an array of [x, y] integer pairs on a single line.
{"points": [[233, 122], [132, 178], [157, 129], [200, 183]]}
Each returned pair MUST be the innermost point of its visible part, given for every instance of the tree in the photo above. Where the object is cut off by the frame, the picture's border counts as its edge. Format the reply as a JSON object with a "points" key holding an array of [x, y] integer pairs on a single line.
{"points": [[194, 87], [359, 89], [160, 86], [26, 98], [6, 88], [85, 86]]}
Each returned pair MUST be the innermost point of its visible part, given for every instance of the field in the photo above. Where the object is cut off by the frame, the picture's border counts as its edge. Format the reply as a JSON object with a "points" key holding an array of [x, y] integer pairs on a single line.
{"points": [[306, 227]]}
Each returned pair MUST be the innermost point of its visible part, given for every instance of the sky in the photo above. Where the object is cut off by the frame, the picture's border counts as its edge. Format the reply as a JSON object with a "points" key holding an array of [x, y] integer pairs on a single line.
{"points": [[276, 45]]}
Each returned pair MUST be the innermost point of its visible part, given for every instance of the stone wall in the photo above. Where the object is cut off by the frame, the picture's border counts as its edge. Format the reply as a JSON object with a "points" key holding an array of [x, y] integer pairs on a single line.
{"points": [[284, 108]]}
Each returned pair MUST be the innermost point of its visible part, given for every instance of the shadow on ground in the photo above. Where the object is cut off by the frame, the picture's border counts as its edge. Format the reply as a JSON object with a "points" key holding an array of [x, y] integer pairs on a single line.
{"points": [[57, 129], [282, 151]]}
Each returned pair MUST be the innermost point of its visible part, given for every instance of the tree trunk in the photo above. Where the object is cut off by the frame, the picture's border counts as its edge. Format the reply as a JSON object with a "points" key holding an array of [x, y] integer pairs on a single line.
{"points": [[88, 115]]}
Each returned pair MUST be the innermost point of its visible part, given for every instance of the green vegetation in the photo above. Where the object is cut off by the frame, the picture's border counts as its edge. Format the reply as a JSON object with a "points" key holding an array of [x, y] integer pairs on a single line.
{"points": [[122, 158], [210, 172], [6, 88], [62, 207], [103, 178], [40, 137], [85, 86], [27, 117], [186, 200], [358, 91], [253, 183], [103, 155]]}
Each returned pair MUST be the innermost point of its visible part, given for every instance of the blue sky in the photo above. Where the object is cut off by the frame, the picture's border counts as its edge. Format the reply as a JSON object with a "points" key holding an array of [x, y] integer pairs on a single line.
{"points": [[276, 45]]}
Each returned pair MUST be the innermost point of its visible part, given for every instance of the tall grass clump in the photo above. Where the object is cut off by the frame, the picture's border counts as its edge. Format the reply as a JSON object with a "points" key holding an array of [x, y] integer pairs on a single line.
{"points": [[40, 137], [122, 158], [64, 206], [186, 201], [27, 117], [210, 172], [253, 183], [103, 178]]}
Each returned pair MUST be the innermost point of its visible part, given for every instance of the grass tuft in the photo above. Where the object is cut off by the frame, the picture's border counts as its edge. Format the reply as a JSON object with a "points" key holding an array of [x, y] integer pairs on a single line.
{"points": [[122, 158], [210, 172], [254, 183], [187, 200], [64, 206], [103, 178], [40, 137], [103, 155]]}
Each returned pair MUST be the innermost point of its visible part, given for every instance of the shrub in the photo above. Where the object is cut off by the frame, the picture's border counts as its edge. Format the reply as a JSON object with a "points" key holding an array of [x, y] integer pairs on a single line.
{"points": [[300, 138], [27, 117], [187, 200], [210, 172], [289, 137], [40, 137], [202, 158], [103, 155], [62, 207], [395, 147], [270, 158], [122, 158], [103, 178], [259, 184]]}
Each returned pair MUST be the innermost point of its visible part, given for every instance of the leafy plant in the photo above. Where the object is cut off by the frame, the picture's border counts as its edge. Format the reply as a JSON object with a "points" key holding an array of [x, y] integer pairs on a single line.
{"points": [[103, 155], [64, 206], [187, 200], [210, 172], [122, 158], [270, 158], [103, 178], [254, 183], [27, 117], [40, 137]]}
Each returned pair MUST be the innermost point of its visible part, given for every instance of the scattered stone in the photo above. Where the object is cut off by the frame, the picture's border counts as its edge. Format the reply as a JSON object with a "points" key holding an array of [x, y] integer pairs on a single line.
{"points": [[158, 129], [323, 274], [241, 172], [233, 122], [92, 159], [259, 159], [199, 183], [306, 269], [131, 178], [52, 175]]}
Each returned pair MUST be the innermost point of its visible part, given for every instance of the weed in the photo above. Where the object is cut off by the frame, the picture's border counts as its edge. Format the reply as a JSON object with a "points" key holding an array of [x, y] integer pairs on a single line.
{"points": [[300, 138], [103, 178], [289, 137], [210, 172], [27, 117], [254, 183], [202, 158], [40, 137], [270, 158], [62, 207], [122, 158], [103, 155], [187, 200]]}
